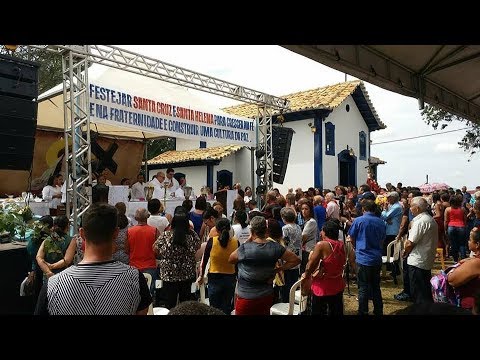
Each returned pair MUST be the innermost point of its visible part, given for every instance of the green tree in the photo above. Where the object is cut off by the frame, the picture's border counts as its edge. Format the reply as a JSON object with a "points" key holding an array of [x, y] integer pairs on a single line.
{"points": [[50, 71], [159, 146], [438, 117]]}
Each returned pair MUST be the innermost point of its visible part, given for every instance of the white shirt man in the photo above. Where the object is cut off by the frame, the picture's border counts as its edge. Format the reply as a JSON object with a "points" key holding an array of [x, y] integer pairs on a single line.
{"points": [[421, 249], [158, 221], [158, 185], [138, 191], [333, 209], [174, 185], [424, 234]]}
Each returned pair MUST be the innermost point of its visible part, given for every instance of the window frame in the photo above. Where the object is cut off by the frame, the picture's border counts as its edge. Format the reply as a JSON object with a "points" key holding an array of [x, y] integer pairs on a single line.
{"points": [[329, 139], [362, 146]]}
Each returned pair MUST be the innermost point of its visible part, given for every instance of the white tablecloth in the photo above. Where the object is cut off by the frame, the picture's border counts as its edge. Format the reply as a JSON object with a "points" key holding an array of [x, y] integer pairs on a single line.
{"points": [[39, 208]]}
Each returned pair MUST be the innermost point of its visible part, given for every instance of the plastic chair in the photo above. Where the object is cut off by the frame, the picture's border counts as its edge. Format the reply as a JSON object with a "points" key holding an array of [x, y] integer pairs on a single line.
{"points": [[202, 287], [290, 308], [234, 298], [148, 277], [203, 299], [390, 259], [160, 311]]}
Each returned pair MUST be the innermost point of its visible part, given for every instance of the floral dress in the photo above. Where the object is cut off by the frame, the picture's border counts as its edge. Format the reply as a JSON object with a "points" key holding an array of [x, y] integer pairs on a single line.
{"points": [[79, 249], [120, 254], [177, 263], [55, 246]]}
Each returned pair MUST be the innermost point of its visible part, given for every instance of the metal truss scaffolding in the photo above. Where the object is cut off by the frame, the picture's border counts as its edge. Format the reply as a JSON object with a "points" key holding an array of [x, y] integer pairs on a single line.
{"points": [[77, 133], [265, 163], [76, 60]]}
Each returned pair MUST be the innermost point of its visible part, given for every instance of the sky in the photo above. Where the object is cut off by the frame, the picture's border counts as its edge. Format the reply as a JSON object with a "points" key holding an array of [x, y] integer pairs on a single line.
{"points": [[278, 71]]}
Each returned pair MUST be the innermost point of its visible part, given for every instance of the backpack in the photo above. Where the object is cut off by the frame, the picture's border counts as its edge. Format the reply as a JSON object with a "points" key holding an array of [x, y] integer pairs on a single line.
{"points": [[442, 291]]}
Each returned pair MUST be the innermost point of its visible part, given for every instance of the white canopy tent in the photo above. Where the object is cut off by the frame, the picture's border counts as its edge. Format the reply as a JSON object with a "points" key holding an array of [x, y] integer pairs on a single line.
{"points": [[446, 76]]}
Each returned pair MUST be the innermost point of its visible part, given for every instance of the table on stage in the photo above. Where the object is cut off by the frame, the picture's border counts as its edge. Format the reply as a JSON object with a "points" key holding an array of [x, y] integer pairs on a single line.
{"points": [[38, 208], [132, 206]]}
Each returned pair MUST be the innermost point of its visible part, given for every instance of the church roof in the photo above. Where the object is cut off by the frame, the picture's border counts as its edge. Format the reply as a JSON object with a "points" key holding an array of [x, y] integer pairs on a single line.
{"points": [[203, 154], [327, 97]]}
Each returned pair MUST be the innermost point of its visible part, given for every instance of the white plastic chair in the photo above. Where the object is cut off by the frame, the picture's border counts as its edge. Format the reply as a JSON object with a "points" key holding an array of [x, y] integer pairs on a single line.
{"points": [[154, 310], [390, 259], [290, 308], [234, 298], [203, 299], [160, 311], [148, 277], [202, 287]]}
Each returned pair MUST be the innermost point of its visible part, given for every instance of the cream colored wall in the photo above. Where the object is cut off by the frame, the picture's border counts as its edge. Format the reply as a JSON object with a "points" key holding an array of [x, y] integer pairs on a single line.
{"points": [[243, 173], [347, 128]]}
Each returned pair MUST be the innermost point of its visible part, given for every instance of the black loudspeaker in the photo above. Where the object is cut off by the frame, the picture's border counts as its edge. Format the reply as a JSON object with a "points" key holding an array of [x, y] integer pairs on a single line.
{"points": [[18, 112], [282, 141]]}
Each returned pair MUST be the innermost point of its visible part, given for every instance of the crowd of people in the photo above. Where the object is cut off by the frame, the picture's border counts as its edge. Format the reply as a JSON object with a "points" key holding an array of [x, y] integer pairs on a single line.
{"points": [[252, 260]]}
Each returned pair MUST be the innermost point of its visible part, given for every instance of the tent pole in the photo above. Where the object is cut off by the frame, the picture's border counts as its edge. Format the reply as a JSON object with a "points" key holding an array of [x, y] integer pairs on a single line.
{"points": [[252, 169], [145, 157]]}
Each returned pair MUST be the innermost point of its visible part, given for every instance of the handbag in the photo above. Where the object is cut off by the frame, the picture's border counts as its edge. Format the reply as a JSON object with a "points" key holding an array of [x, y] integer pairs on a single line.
{"points": [[27, 286], [279, 276], [306, 282]]}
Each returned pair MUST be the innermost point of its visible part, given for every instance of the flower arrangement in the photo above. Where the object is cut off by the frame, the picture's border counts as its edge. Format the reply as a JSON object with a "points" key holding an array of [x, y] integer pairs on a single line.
{"points": [[381, 200], [15, 219]]}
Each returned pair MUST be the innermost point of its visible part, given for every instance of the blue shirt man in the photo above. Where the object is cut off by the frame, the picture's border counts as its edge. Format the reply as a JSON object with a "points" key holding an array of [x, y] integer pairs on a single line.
{"points": [[369, 232], [466, 196], [367, 195], [393, 216], [320, 214]]}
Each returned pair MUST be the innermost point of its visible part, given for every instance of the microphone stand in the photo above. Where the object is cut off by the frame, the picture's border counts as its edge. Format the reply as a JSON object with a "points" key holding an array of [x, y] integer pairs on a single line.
{"points": [[165, 187]]}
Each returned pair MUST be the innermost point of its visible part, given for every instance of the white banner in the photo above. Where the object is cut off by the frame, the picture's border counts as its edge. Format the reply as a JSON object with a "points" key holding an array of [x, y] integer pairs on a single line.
{"points": [[126, 109]]}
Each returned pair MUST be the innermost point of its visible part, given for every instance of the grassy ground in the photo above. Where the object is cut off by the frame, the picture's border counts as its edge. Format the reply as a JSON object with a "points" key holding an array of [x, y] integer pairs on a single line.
{"points": [[389, 289]]}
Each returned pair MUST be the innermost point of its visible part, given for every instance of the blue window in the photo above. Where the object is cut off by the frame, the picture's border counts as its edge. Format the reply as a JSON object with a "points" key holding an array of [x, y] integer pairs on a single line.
{"points": [[203, 144], [362, 138], [329, 139]]}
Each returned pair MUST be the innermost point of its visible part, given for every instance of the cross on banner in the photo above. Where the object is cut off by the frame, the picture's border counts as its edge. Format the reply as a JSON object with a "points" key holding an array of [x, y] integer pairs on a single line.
{"points": [[104, 158]]}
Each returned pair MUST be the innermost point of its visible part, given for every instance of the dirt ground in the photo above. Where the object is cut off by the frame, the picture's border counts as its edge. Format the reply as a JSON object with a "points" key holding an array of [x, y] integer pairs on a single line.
{"points": [[389, 289]]}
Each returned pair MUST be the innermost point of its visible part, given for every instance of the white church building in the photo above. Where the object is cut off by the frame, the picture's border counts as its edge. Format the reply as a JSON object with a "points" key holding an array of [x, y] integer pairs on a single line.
{"points": [[330, 145]]}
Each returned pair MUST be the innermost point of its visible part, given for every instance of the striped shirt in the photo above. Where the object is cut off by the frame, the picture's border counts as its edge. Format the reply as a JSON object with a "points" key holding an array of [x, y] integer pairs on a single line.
{"points": [[103, 288]]}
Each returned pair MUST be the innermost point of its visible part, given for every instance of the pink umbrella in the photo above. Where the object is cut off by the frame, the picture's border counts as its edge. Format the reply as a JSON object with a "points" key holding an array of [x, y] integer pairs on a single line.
{"points": [[440, 186], [426, 188]]}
